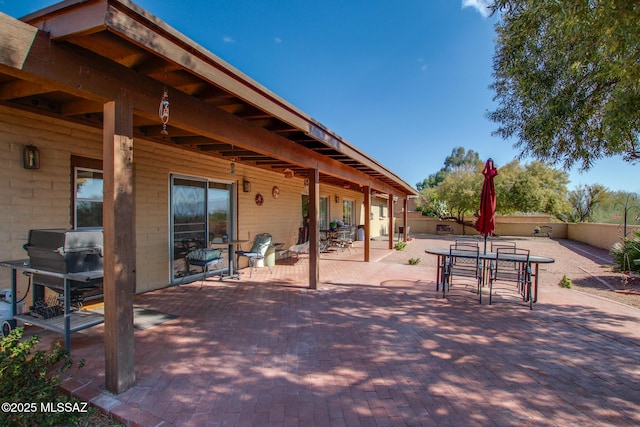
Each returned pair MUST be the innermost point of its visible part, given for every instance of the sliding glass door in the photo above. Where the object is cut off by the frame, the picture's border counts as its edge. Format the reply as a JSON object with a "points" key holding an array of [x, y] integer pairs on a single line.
{"points": [[201, 214]]}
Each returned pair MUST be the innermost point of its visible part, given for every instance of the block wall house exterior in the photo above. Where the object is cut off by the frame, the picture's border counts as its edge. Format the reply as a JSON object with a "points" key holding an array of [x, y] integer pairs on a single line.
{"points": [[379, 217], [83, 82], [44, 198]]}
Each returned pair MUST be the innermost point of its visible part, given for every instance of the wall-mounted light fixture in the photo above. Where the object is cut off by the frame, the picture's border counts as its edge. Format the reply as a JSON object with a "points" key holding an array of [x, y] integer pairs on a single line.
{"points": [[31, 157], [337, 199], [246, 186]]}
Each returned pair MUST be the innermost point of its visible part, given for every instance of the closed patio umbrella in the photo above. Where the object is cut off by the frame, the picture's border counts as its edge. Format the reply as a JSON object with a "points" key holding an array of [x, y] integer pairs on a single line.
{"points": [[486, 223]]}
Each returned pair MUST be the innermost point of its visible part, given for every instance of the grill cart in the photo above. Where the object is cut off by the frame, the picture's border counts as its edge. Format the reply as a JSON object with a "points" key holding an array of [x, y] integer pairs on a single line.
{"points": [[68, 262]]}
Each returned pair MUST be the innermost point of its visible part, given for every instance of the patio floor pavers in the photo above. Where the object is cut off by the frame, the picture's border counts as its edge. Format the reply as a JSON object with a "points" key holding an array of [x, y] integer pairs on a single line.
{"points": [[374, 345]]}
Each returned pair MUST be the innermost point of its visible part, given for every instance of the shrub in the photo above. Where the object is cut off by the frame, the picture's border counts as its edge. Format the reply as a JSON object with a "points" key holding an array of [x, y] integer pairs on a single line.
{"points": [[33, 379], [624, 253], [565, 282], [414, 261], [400, 245]]}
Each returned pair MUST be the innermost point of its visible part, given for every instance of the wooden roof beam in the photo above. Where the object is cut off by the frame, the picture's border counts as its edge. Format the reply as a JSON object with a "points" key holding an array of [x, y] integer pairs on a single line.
{"points": [[21, 89], [81, 106]]}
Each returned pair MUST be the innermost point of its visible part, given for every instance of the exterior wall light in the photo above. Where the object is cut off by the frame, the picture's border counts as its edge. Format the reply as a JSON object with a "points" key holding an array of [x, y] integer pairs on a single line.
{"points": [[31, 157]]}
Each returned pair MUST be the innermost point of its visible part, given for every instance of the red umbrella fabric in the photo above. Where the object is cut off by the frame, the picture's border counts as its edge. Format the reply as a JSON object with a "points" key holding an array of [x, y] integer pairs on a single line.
{"points": [[486, 223]]}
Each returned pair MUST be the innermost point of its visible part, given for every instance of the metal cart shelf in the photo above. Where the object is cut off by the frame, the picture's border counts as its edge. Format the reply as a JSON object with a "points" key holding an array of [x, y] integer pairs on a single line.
{"points": [[70, 321]]}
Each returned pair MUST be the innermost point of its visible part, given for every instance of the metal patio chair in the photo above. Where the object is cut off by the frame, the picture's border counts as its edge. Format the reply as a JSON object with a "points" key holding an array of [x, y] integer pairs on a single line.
{"points": [[258, 250], [509, 270], [463, 261], [204, 258]]}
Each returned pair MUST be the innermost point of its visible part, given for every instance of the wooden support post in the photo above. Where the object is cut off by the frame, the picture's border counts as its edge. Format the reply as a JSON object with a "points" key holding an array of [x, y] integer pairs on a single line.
{"points": [[314, 228], [405, 219], [367, 224], [390, 226], [119, 245]]}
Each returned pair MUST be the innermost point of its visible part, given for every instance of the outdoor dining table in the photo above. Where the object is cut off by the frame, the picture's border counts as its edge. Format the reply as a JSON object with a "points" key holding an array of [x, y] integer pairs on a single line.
{"points": [[533, 261]]}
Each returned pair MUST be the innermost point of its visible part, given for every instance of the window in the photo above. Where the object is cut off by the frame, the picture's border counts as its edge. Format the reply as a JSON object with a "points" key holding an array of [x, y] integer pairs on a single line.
{"points": [[324, 213], [347, 212], [88, 184]]}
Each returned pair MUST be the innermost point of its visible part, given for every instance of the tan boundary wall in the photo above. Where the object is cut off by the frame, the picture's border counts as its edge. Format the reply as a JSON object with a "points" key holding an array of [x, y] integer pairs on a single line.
{"points": [[33, 199], [598, 235]]}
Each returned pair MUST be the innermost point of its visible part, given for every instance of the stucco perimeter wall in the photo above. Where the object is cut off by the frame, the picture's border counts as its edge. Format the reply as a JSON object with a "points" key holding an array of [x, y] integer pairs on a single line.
{"points": [[505, 225], [598, 235]]}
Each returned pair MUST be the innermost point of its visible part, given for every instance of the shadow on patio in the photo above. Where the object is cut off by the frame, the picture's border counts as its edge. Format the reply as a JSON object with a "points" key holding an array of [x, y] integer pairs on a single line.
{"points": [[374, 345]]}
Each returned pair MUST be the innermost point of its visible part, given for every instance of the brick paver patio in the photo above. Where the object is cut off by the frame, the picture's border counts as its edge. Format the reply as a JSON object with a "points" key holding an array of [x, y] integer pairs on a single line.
{"points": [[375, 345]]}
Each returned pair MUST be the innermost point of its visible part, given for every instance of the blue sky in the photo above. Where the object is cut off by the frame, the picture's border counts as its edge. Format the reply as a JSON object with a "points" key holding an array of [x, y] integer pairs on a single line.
{"points": [[405, 82]]}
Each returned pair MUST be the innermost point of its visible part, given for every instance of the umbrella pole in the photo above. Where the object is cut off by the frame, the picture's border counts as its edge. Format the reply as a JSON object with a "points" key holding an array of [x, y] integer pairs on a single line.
{"points": [[485, 243]]}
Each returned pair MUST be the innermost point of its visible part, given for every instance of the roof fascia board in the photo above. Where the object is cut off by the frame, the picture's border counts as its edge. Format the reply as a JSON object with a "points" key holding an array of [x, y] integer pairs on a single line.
{"points": [[70, 18], [338, 144]]}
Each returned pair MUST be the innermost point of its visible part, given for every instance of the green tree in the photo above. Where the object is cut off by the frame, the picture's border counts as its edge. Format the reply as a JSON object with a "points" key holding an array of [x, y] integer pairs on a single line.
{"points": [[584, 199], [461, 191], [618, 206], [531, 188], [459, 158], [431, 205], [567, 79]]}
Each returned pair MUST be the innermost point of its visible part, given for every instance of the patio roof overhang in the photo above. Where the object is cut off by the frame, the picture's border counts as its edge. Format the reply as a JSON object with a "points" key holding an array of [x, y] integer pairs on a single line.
{"points": [[88, 52]]}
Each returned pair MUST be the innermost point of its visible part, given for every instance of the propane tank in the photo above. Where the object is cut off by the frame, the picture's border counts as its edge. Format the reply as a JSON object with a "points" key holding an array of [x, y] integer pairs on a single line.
{"points": [[6, 311]]}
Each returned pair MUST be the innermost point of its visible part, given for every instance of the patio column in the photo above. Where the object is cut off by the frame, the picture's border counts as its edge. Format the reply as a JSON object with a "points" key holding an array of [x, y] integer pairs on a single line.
{"points": [[314, 228], [367, 224], [390, 226], [405, 218], [119, 244]]}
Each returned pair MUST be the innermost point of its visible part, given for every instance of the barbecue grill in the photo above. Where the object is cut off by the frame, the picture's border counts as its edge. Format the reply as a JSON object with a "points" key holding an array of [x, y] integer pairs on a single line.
{"points": [[65, 251]]}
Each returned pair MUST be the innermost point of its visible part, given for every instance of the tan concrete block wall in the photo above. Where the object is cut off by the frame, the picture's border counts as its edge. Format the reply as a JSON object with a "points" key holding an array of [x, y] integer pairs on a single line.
{"points": [[600, 235], [39, 198], [154, 163], [379, 223], [42, 198]]}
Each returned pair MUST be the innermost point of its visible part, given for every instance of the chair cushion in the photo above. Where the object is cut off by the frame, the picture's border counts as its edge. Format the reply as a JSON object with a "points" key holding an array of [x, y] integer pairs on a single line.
{"points": [[260, 245], [204, 255]]}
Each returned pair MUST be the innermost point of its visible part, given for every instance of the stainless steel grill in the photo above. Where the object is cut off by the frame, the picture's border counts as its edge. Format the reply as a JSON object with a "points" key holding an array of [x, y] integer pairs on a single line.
{"points": [[66, 251]]}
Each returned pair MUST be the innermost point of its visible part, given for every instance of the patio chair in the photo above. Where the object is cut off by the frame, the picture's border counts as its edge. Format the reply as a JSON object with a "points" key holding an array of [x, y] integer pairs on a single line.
{"points": [[203, 258], [344, 238], [464, 261], [258, 250], [506, 269], [495, 244], [401, 232], [297, 250]]}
